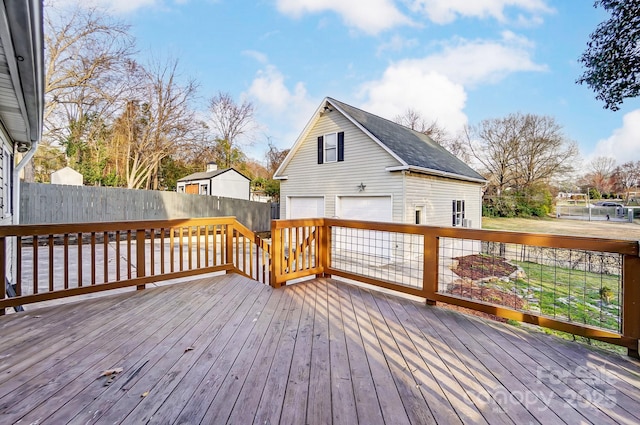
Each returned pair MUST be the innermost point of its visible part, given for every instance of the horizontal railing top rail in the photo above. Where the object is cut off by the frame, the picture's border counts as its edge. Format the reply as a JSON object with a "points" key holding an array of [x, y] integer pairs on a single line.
{"points": [[620, 246], [99, 227]]}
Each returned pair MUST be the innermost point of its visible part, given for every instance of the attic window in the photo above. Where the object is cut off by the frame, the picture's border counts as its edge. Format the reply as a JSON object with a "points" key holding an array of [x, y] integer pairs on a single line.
{"points": [[331, 147]]}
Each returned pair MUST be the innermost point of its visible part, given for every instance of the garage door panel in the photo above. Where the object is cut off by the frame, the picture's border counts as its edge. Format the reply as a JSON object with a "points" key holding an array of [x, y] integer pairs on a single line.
{"points": [[367, 208], [306, 207]]}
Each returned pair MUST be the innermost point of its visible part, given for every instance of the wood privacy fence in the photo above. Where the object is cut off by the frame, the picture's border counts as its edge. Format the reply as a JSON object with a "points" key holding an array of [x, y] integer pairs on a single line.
{"points": [[56, 204]]}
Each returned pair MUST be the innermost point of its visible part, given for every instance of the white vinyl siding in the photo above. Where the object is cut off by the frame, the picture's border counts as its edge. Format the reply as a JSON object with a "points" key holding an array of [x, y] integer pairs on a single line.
{"points": [[229, 184], [364, 163], [435, 195]]}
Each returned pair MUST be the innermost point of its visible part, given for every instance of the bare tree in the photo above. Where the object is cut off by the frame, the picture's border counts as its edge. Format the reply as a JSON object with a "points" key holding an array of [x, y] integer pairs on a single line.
{"points": [[156, 124], [494, 144], [543, 151], [627, 176], [413, 120], [601, 174], [87, 52], [522, 151], [275, 157], [230, 122]]}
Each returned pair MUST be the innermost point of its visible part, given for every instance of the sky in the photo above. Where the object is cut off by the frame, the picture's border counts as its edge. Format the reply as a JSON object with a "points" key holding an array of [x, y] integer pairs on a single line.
{"points": [[457, 62]]}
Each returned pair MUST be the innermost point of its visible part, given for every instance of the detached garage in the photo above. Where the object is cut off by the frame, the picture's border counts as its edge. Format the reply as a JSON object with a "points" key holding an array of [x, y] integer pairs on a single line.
{"points": [[350, 164]]}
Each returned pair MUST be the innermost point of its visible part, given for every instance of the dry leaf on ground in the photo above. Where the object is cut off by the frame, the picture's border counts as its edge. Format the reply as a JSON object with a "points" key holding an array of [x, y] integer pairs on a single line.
{"points": [[113, 371]]}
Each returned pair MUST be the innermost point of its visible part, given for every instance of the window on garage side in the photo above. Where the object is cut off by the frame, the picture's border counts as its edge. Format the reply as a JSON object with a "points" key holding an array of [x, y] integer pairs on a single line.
{"points": [[418, 214], [331, 147], [458, 212]]}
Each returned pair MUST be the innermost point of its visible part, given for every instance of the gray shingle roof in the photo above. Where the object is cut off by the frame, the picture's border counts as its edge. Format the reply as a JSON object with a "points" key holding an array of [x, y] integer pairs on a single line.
{"points": [[204, 175], [414, 148]]}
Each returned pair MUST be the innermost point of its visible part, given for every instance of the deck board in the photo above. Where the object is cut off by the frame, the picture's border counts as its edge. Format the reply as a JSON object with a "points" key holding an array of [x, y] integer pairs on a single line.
{"points": [[227, 349]]}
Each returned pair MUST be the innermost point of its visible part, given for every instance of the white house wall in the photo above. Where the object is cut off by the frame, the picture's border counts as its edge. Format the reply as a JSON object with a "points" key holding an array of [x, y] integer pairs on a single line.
{"points": [[435, 195], [230, 185], [364, 163]]}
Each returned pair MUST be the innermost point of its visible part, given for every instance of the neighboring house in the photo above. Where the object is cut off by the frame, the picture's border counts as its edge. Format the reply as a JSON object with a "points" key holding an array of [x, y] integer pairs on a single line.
{"points": [[21, 96], [351, 164], [68, 176], [227, 183]]}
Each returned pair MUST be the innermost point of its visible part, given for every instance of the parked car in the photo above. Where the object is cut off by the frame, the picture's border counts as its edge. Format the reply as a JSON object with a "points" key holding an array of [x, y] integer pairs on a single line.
{"points": [[609, 204]]}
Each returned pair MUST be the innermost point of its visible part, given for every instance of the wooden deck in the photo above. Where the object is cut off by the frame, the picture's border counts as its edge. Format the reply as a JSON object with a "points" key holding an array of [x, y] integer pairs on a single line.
{"points": [[230, 350]]}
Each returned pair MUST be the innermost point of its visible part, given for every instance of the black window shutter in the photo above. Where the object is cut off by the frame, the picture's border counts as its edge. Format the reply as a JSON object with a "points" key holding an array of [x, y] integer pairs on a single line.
{"points": [[320, 149], [341, 146], [463, 209], [454, 213]]}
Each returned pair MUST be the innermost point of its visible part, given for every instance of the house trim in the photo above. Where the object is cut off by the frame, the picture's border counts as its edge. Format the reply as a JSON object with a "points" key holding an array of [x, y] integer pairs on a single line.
{"points": [[316, 116], [431, 171]]}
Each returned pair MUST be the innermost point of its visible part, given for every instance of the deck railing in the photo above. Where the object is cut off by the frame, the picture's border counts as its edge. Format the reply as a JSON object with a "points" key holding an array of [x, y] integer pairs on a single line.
{"points": [[63, 260], [585, 286]]}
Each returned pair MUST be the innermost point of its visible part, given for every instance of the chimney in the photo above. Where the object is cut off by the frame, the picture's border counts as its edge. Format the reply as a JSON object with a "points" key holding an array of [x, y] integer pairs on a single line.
{"points": [[212, 166]]}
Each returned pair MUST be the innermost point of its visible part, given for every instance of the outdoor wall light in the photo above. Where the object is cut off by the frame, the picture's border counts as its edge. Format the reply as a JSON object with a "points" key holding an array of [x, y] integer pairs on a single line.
{"points": [[23, 147], [327, 109]]}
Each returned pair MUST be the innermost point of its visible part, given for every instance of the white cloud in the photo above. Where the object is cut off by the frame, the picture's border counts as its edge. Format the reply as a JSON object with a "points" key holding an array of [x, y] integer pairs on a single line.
{"points": [[397, 44], [435, 86], [258, 56], [430, 93], [446, 11], [374, 16], [116, 6], [623, 144], [481, 61], [283, 112], [369, 16]]}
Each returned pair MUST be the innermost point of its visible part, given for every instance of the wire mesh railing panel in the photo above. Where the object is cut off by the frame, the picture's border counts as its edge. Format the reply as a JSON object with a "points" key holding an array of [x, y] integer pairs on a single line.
{"points": [[388, 256], [572, 285]]}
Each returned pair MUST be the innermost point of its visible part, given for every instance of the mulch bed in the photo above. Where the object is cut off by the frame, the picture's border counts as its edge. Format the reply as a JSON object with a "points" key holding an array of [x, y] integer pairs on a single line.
{"points": [[482, 266], [474, 267]]}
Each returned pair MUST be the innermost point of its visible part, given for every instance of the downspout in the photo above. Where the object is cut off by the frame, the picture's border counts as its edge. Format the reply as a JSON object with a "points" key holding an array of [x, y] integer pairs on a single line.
{"points": [[16, 181]]}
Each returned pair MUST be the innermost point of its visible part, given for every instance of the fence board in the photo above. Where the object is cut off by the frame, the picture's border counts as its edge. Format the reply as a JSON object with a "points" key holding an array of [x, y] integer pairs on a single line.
{"points": [[55, 204]]}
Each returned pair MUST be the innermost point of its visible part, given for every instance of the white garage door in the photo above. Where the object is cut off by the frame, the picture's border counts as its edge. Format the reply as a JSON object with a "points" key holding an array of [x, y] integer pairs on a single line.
{"points": [[368, 208], [305, 206]]}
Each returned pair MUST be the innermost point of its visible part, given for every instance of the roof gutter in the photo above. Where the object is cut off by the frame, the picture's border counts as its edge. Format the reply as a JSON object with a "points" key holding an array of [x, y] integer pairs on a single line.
{"points": [[27, 27], [431, 171]]}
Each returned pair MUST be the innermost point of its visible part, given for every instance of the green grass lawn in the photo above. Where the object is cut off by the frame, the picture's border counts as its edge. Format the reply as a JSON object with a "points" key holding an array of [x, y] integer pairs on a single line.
{"points": [[561, 292]]}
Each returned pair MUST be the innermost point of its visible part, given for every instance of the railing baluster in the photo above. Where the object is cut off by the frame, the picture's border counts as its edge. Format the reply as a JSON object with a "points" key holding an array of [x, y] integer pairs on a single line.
{"points": [[18, 282], [93, 258], [118, 256], [105, 257], [129, 256], [51, 263], [66, 260], [181, 248], [35, 264], [190, 246], [171, 247], [162, 248], [152, 239], [198, 246], [206, 245], [79, 260]]}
